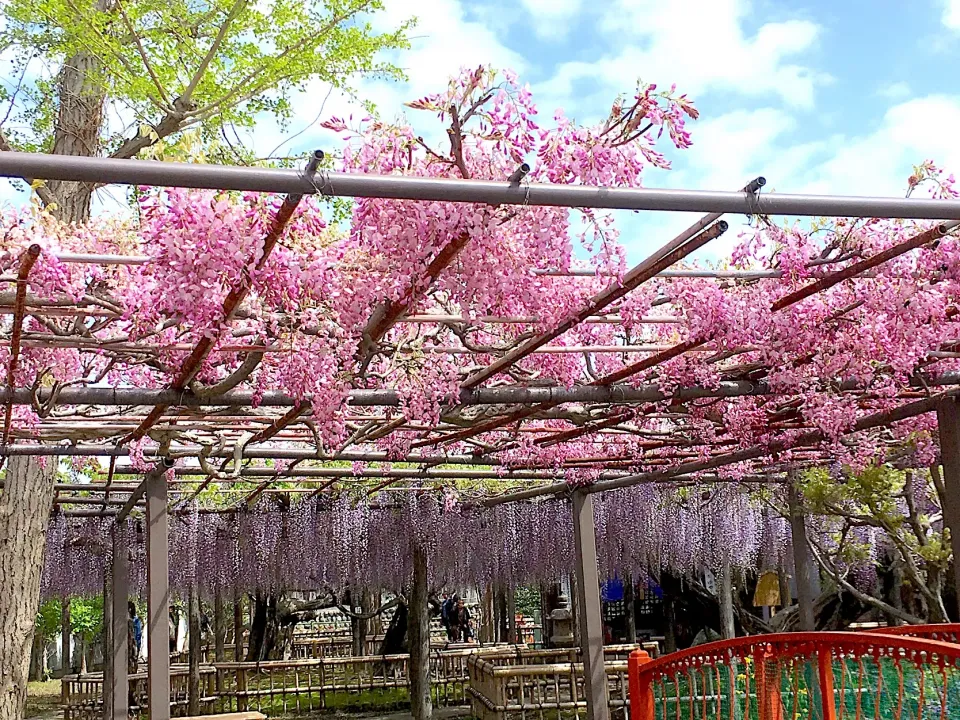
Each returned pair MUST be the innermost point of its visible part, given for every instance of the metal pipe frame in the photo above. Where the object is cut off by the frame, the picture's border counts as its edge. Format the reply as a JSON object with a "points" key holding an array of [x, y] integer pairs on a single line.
{"points": [[215, 177], [613, 394]]}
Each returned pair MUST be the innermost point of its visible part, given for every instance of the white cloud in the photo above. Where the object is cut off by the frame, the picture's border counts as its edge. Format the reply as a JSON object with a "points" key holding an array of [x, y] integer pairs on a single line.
{"points": [[879, 163], [700, 45], [951, 14], [552, 17]]}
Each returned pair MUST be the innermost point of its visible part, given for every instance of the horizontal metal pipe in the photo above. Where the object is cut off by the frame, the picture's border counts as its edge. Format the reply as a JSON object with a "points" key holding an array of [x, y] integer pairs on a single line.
{"points": [[614, 394], [218, 177], [255, 453]]}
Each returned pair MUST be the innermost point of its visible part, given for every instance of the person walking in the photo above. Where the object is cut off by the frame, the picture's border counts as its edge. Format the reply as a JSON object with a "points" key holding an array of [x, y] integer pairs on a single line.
{"points": [[447, 611], [463, 631]]}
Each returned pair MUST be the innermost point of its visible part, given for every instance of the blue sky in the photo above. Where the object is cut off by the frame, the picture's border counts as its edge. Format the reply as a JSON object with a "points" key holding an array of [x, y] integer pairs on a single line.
{"points": [[824, 97]]}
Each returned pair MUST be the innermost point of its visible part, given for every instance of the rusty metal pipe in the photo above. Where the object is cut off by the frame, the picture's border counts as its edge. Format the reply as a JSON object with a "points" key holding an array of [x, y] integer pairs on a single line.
{"points": [[27, 261]]}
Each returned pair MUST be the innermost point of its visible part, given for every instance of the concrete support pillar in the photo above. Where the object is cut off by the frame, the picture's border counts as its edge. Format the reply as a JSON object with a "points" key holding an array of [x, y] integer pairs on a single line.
{"points": [[588, 606], [158, 598]]}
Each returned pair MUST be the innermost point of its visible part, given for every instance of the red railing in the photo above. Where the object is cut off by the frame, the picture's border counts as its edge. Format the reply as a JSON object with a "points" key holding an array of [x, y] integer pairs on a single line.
{"points": [[944, 632], [828, 676]]}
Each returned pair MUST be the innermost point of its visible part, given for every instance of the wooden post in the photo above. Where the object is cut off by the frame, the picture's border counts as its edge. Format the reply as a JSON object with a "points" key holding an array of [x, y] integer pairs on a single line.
{"points": [[107, 633], [158, 599], [66, 657], [589, 614], [238, 628], [948, 418], [194, 650], [630, 607], [727, 624], [119, 652], [418, 631], [512, 615], [807, 579], [219, 628]]}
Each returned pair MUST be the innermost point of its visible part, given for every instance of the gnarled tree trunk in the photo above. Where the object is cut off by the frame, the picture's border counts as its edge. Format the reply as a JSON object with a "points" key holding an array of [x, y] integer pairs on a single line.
{"points": [[24, 512]]}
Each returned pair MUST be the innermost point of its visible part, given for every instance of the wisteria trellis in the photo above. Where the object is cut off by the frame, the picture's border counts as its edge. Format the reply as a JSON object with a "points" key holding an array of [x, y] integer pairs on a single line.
{"points": [[310, 329]]}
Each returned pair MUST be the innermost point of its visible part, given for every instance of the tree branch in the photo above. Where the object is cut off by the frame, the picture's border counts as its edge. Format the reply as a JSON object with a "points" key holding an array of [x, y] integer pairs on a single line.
{"points": [[861, 596], [214, 47], [143, 55]]}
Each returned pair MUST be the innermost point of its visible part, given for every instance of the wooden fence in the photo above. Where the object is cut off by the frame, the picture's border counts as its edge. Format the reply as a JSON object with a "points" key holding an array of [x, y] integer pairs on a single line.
{"points": [[504, 685], [303, 685]]}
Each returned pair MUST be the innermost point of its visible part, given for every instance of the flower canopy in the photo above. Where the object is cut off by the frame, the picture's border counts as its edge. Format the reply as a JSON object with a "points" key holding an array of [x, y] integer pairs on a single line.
{"points": [[462, 350]]}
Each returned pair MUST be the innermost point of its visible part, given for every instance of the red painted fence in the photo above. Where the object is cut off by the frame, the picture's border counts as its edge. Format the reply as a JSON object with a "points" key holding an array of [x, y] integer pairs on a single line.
{"points": [[827, 676]]}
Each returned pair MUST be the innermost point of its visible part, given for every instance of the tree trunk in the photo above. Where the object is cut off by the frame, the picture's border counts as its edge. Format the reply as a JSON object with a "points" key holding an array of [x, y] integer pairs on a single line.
{"points": [[24, 512], [421, 705], [80, 117], [37, 653], [263, 628], [193, 679]]}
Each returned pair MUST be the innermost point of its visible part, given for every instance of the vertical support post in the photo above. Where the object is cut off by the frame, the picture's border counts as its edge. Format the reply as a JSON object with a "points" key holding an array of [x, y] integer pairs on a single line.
{"points": [[727, 625], [512, 615], [806, 578], [418, 630], [158, 598], [948, 418], [120, 647], [107, 633], [827, 699], [219, 628], [193, 655], [66, 657], [630, 608], [589, 613], [238, 628], [642, 705]]}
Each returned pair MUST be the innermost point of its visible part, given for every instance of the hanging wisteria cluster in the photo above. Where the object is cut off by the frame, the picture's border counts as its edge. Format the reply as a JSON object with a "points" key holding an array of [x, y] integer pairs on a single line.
{"points": [[316, 544]]}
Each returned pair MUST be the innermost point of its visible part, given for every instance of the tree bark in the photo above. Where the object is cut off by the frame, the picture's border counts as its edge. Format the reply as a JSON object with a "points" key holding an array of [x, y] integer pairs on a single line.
{"points": [[80, 117], [24, 513], [421, 704]]}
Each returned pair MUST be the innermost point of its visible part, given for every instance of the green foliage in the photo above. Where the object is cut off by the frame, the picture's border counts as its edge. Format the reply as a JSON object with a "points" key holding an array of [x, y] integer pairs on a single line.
{"points": [[210, 66], [528, 601], [86, 617], [48, 619]]}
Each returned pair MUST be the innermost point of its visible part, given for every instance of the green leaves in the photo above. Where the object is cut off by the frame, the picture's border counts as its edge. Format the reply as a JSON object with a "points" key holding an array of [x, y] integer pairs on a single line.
{"points": [[169, 65]]}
